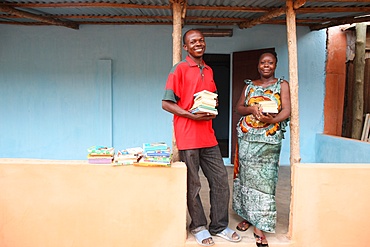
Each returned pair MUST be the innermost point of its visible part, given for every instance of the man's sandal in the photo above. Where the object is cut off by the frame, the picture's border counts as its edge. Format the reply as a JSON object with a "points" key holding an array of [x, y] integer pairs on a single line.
{"points": [[259, 240], [203, 235], [243, 226], [228, 234]]}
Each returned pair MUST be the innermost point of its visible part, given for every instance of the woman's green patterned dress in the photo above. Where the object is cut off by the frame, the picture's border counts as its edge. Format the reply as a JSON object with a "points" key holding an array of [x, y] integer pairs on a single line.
{"points": [[256, 171]]}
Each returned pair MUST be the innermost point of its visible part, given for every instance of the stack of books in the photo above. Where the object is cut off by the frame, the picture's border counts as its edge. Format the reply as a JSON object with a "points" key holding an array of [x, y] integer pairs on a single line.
{"points": [[269, 106], [155, 154], [100, 155], [204, 102], [128, 156]]}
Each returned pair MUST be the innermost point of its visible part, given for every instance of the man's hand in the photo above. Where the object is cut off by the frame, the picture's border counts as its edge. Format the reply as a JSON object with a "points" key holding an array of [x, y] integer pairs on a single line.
{"points": [[203, 116]]}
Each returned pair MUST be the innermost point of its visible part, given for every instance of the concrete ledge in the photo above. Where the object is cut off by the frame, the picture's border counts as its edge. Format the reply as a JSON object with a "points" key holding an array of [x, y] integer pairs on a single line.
{"points": [[72, 203], [330, 204]]}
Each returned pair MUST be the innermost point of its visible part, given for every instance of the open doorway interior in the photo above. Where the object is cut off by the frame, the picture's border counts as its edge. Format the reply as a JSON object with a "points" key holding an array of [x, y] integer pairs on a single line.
{"points": [[244, 66], [220, 64]]}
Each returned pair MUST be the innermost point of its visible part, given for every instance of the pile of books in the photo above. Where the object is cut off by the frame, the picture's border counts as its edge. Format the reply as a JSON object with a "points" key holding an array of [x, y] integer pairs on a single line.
{"points": [[204, 102], [100, 155], [155, 154], [269, 106], [128, 156], [151, 154]]}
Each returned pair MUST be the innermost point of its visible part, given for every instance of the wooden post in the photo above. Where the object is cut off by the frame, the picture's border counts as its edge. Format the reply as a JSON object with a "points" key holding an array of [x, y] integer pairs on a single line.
{"points": [[293, 83], [177, 7], [358, 88]]}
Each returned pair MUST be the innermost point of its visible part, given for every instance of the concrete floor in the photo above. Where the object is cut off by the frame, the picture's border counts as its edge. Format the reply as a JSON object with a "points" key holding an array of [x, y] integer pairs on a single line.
{"points": [[283, 205]]}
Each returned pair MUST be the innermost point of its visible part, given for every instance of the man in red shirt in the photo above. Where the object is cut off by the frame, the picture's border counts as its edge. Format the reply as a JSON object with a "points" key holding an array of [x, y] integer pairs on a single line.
{"points": [[197, 143]]}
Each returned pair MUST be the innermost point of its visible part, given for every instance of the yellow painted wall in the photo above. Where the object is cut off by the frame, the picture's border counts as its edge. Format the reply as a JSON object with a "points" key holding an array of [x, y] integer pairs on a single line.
{"points": [[75, 204], [330, 205]]}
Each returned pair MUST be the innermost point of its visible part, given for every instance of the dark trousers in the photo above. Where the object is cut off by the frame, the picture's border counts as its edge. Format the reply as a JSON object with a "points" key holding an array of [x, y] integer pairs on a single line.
{"points": [[212, 165]]}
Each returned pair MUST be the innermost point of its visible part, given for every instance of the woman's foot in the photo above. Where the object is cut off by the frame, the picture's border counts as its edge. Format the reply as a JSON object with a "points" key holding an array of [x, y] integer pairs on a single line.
{"points": [[243, 226], [261, 240]]}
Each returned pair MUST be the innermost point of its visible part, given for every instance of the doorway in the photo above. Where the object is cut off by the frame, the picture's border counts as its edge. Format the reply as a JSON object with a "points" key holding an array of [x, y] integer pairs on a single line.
{"points": [[220, 64], [244, 67]]}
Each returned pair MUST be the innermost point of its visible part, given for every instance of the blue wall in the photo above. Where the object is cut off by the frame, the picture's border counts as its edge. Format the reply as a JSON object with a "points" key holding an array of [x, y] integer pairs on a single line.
{"points": [[334, 149], [64, 90]]}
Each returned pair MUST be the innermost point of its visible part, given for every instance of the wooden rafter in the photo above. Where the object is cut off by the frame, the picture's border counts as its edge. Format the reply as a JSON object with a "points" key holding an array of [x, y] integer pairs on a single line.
{"points": [[262, 19], [165, 20], [339, 21], [309, 10], [86, 5], [49, 20], [191, 7], [269, 15]]}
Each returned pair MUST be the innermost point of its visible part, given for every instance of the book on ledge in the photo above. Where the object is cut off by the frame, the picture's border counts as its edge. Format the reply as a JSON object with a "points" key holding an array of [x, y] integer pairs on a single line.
{"points": [[156, 154], [269, 106], [100, 155], [154, 146]]}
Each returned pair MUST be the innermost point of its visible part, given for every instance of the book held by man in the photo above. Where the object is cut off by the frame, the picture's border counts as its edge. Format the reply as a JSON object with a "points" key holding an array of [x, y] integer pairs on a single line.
{"points": [[204, 102]]}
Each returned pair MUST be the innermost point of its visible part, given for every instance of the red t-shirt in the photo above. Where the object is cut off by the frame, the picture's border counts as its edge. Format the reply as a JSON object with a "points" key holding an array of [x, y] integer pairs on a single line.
{"points": [[185, 79]]}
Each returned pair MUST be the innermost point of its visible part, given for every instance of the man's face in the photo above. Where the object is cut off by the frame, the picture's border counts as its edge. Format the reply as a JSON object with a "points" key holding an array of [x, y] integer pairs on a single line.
{"points": [[195, 44]]}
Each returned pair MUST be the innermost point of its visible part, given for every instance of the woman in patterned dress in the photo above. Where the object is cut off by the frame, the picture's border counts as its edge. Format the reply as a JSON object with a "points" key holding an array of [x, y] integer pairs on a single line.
{"points": [[260, 134]]}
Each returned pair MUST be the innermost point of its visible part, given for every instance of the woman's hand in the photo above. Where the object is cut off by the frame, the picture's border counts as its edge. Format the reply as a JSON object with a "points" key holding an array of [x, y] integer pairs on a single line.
{"points": [[263, 116], [267, 118], [257, 112]]}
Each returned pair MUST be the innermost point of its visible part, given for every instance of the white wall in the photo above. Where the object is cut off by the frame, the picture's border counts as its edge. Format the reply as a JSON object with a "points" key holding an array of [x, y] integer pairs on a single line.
{"points": [[64, 90]]}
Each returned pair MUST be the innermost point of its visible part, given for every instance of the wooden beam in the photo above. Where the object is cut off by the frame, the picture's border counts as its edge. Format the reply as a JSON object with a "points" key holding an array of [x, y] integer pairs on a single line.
{"points": [[178, 8], [339, 1], [136, 6], [228, 8], [162, 20], [23, 14], [358, 87], [339, 21], [294, 102], [268, 18], [87, 5], [332, 10], [293, 82], [297, 4], [314, 24], [88, 23], [270, 15], [229, 21], [179, 12], [136, 17]]}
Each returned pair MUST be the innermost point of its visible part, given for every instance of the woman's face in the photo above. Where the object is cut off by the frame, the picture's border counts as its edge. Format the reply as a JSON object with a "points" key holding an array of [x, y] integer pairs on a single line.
{"points": [[267, 65]]}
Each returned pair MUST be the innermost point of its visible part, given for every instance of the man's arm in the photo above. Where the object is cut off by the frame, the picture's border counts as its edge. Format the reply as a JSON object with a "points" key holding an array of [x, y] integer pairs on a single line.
{"points": [[173, 108]]}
